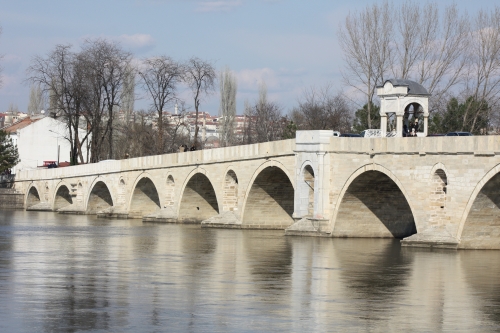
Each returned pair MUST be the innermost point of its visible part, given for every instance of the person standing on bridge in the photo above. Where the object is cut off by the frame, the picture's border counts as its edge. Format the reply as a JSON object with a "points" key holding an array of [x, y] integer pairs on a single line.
{"points": [[405, 131], [414, 128]]}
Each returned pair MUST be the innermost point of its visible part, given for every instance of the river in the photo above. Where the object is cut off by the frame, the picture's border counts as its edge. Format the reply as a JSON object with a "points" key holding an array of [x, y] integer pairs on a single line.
{"points": [[66, 273]]}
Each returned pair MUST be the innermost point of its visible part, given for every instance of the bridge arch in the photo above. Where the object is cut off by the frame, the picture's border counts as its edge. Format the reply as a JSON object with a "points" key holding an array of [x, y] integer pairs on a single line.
{"points": [[373, 203], [144, 199], [99, 197], [198, 198], [32, 196], [269, 198], [62, 196], [479, 226], [230, 191]]}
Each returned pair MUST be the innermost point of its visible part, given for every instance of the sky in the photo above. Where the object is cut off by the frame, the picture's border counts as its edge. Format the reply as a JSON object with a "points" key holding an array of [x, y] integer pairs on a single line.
{"points": [[290, 45]]}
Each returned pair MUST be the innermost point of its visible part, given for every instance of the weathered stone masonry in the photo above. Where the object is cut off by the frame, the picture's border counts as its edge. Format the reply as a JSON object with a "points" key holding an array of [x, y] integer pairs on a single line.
{"points": [[428, 191]]}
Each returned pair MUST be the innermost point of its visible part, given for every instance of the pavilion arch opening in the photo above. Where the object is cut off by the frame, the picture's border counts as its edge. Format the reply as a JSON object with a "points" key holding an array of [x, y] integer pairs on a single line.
{"points": [[99, 198], [413, 119], [33, 197], [374, 206], [199, 201], [145, 199], [63, 198], [170, 192], [230, 199], [482, 226], [270, 201], [437, 198]]}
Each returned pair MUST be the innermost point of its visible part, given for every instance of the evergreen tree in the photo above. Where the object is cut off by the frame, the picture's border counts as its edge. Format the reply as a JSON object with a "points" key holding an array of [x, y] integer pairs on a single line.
{"points": [[469, 116], [360, 122], [290, 130], [9, 156], [227, 108]]}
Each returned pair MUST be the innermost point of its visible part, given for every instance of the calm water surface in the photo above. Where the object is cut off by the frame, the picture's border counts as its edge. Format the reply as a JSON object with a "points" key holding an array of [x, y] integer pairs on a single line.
{"points": [[61, 273]]}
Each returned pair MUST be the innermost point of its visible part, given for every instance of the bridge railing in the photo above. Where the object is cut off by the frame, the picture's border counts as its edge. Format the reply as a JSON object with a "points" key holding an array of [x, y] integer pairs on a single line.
{"points": [[478, 145], [217, 155]]}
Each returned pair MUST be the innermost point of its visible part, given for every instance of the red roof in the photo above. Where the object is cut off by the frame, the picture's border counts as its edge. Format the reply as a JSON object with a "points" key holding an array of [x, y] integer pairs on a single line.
{"points": [[20, 124]]}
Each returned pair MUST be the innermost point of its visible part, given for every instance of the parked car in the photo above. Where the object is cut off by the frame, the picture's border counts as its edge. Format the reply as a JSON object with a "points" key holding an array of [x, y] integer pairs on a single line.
{"points": [[459, 134], [336, 133], [350, 135]]}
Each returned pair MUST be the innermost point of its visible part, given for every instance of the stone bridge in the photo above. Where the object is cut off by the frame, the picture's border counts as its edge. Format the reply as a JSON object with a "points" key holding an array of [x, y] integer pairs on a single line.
{"points": [[427, 191]]}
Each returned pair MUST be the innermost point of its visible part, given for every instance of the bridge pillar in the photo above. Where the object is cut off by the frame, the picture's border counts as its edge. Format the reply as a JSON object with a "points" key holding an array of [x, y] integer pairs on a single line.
{"points": [[311, 161], [319, 186]]}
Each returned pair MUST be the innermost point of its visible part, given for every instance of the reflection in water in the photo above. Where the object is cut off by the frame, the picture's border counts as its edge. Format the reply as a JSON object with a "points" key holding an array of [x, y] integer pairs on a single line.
{"points": [[79, 273], [375, 274], [482, 271], [269, 259], [372, 268]]}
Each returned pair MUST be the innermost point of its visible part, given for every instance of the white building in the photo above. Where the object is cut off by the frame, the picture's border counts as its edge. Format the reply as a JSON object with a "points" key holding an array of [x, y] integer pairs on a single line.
{"points": [[40, 140]]}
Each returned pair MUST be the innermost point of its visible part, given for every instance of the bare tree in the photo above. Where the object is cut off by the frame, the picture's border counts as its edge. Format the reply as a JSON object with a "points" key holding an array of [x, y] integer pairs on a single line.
{"points": [[178, 128], [13, 109], [409, 30], [106, 65], [60, 74], [432, 49], [128, 92], [482, 82], [422, 45], [365, 39], [265, 120], [93, 103], [200, 76], [139, 133], [160, 77], [248, 129], [227, 108], [320, 109], [37, 100]]}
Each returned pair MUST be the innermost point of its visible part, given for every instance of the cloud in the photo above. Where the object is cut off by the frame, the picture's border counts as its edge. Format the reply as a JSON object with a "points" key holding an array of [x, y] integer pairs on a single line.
{"points": [[136, 42], [11, 63], [276, 80], [218, 6], [250, 79], [10, 81]]}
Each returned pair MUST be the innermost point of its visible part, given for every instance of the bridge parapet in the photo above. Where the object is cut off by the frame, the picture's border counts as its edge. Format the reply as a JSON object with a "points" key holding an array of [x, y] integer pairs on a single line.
{"points": [[209, 156], [477, 145]]}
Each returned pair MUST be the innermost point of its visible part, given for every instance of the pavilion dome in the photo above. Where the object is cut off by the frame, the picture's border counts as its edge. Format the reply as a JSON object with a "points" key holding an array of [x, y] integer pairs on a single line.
{"points": [[414, 88]]}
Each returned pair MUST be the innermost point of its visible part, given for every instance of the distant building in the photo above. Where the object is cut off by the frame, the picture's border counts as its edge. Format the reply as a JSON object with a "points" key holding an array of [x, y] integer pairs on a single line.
{"points": [[40, 140], [11, 118], [209, 127]]}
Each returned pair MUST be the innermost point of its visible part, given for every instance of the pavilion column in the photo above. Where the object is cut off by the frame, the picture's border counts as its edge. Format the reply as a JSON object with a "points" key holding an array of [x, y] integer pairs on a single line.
{"points": [[426, 124], [383, 125], [399, 125]]}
